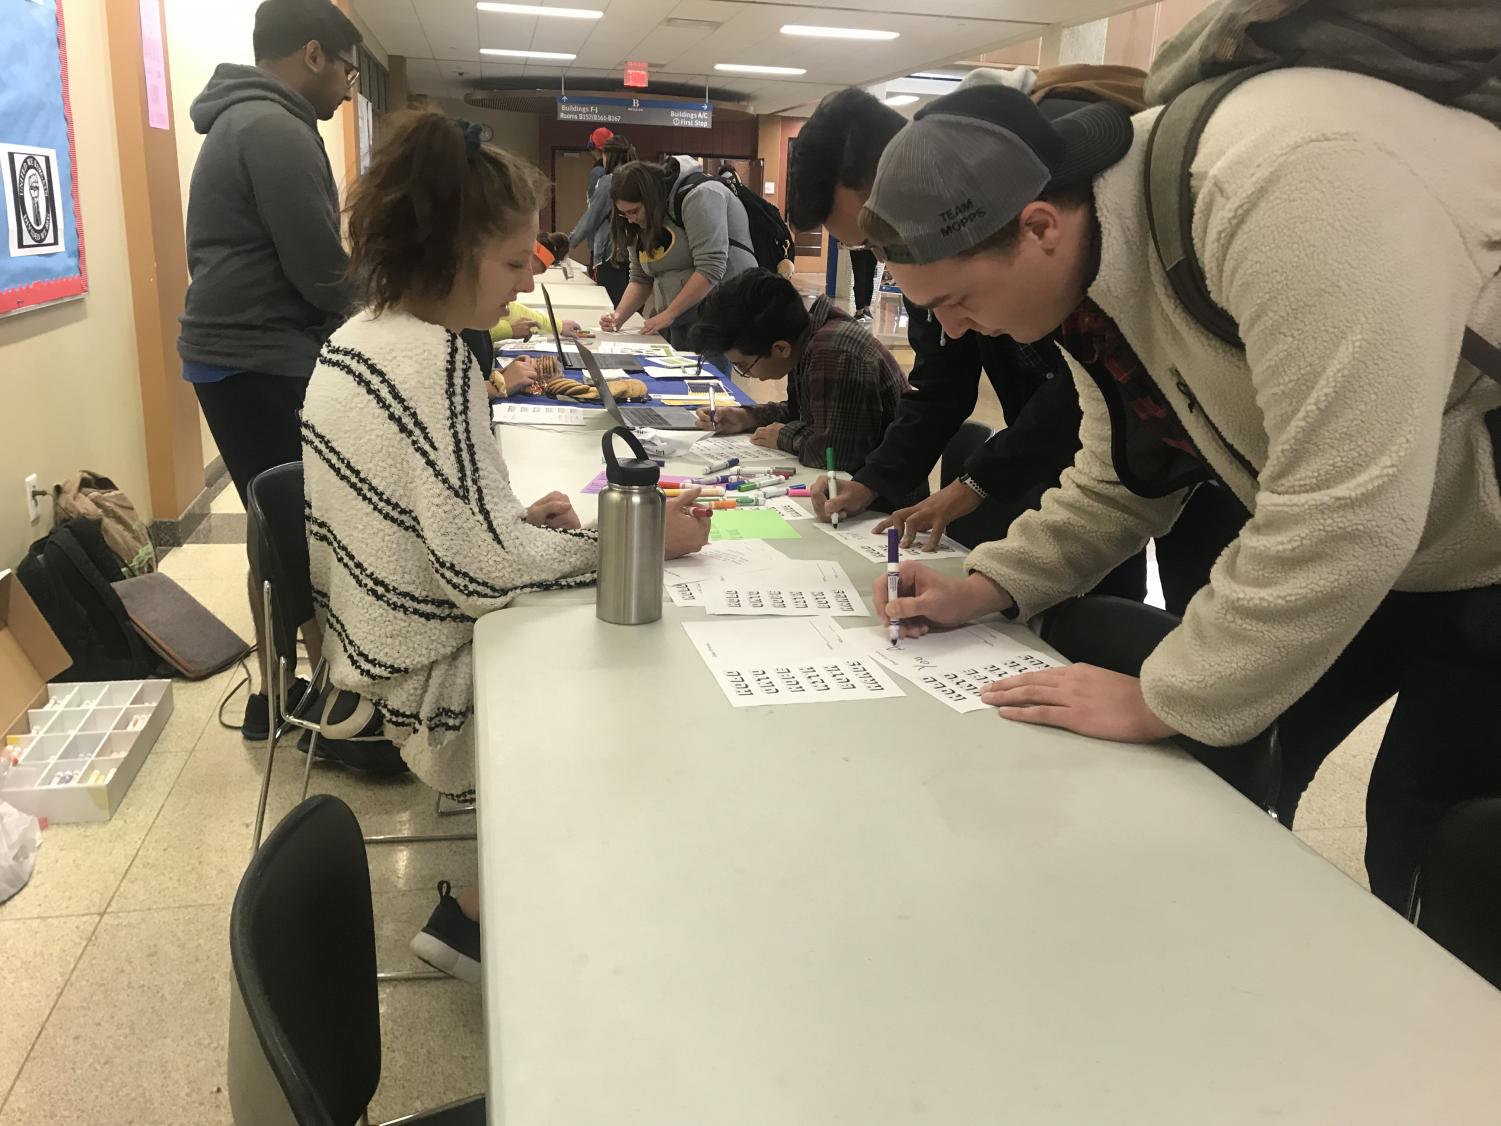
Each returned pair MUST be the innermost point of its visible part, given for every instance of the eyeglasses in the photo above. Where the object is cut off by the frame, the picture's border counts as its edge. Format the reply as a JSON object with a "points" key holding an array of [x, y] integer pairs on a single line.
{"points": [[351, 70], [745, 371]]}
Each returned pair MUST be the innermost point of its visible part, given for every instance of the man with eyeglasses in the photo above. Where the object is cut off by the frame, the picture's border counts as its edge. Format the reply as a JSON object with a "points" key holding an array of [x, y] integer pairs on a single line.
{"points": [[265, 254], [843, 386]]}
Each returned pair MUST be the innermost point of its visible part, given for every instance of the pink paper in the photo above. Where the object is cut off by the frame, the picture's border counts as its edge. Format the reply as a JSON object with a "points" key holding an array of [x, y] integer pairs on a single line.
{"points": [[154, 59]]}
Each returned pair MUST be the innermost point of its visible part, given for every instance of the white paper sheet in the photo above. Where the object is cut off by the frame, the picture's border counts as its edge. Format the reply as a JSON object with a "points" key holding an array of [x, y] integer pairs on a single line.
{"points": [[685, 594], [537, 414], [953, 667], [790, 508], [795, 589], [713, 448], [857, 536], [626, 348], [723, 559], [802, 661]]}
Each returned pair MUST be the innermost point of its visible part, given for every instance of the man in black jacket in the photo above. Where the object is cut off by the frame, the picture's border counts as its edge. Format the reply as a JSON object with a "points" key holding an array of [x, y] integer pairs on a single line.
{"points": [[833, 165]]}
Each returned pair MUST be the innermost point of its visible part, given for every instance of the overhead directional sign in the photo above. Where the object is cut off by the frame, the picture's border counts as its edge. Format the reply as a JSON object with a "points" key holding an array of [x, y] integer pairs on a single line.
{"points": [[636, 111]]}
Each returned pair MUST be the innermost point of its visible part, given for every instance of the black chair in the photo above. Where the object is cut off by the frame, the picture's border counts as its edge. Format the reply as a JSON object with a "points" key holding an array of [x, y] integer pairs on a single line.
{"points": [[278, 550], [304, 1026], [971, 436], [1119, 634], [1456, 897], [278, 546]]}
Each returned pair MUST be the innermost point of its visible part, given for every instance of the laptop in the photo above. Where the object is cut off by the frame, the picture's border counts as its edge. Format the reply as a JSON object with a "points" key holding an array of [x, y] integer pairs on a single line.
{"points": [[635, 418], [569, 359]]}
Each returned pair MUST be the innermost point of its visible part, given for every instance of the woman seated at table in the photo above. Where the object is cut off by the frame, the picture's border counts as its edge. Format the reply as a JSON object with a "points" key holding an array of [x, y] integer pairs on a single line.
{"points": [[843, 386], [413, 531], [679, 249], [522, 323]]}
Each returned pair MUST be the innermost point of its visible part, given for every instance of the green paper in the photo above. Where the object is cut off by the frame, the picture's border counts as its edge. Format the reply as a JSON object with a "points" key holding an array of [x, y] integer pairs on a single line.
{"points": [[751, 524]]}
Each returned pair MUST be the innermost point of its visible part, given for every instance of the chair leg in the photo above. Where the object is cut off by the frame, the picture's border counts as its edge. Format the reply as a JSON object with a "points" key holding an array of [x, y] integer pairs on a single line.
{"points": [[411, 975], [272, 719]]}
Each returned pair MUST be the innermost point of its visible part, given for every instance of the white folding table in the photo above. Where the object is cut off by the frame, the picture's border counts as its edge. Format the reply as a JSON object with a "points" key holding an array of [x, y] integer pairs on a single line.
{"points": [[889, 913]]}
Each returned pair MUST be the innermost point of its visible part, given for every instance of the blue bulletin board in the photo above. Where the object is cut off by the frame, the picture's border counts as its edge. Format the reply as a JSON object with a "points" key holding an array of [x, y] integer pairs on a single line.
{"points": [[42, 254]]}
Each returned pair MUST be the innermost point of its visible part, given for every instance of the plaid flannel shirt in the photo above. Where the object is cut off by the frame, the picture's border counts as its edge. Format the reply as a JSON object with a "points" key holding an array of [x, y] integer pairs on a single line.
{"points": [[842, 393], [1095, 341]]}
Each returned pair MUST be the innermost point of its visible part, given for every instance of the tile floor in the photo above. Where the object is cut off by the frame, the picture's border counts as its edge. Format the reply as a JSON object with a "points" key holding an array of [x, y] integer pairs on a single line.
{"points": [[115, 975]]}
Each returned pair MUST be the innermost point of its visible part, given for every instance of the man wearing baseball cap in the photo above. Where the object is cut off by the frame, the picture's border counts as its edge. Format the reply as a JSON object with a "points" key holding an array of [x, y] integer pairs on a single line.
{"points": [[597, 141], [1351, 229]]}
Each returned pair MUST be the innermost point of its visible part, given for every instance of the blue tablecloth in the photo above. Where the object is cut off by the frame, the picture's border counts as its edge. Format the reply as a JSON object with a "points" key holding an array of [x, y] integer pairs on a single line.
{"points": [[659, 381]]}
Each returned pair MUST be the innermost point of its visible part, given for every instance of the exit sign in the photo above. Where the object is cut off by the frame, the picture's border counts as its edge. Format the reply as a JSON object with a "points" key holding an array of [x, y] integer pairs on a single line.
{"points": [[636, 75]]}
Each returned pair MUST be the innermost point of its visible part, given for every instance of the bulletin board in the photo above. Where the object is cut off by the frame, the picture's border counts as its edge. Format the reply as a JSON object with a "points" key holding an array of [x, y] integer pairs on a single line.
{"points": [[42, 254]]}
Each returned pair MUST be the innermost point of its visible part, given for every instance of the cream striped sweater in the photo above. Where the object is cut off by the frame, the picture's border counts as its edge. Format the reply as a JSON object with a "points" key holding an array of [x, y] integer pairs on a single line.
{"points": [[413, 531]]}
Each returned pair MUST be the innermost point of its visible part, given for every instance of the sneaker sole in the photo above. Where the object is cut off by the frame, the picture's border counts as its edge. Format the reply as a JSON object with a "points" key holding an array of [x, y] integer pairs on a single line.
{"points": [[441, 956]]}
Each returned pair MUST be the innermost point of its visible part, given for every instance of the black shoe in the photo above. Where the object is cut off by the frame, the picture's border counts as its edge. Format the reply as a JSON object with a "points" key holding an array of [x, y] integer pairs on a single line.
{"points": [[862, 314], [255, 726], [450, 941], [351, 734]]}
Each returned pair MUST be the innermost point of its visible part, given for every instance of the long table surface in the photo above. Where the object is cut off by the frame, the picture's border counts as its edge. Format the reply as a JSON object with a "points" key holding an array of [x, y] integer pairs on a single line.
{"points": [[884, 913]]}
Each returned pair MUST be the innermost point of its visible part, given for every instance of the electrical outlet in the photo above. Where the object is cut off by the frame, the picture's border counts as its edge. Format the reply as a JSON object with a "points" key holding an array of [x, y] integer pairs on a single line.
{"points": [[33, 510]]}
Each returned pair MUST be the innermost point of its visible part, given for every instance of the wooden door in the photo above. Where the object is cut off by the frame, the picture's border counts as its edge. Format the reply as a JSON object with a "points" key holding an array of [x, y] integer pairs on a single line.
{"points": [[570, 175]]}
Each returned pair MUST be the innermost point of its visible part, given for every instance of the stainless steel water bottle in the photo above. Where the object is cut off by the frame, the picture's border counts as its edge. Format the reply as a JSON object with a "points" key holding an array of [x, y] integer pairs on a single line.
{"points": [[632, 515]]}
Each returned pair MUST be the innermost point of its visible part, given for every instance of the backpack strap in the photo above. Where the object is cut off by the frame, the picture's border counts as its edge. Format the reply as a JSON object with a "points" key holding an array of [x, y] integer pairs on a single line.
{"points": [[690, 181], [68, 544], [1170, 205], [1482, 353]]}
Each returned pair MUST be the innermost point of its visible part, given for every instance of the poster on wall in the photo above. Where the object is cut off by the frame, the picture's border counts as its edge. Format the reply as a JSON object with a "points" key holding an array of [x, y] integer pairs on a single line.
{"points": [[42, 256], [33, 200]]}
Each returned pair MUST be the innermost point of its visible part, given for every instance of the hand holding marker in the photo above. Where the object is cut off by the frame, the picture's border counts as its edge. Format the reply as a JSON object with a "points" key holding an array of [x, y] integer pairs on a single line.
{"points": [[828, 458]]}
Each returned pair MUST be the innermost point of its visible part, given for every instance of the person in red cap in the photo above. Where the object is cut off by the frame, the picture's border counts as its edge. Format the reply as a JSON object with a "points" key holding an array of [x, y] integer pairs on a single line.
{"points": [[597, 141]]}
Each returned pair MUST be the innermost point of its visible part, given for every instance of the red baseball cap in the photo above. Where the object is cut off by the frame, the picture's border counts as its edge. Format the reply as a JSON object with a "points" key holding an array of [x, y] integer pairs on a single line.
{"points": [[598, 138]]}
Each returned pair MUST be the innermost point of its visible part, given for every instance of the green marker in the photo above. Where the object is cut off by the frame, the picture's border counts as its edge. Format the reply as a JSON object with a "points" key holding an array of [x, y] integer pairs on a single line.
{"points": [[833, 483]]}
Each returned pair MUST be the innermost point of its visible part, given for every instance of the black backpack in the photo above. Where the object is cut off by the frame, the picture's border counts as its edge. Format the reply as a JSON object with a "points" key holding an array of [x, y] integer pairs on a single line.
{"points": [[771, 238], [68, 575], [1447, 55]]}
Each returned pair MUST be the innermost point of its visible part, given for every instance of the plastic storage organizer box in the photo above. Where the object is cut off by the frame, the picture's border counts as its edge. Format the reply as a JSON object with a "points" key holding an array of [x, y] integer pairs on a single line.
{"points": [[84, 748]]}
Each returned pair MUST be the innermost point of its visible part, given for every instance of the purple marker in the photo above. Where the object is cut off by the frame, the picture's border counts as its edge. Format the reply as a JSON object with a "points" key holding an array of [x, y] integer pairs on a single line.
{"points": [[893, 580]]}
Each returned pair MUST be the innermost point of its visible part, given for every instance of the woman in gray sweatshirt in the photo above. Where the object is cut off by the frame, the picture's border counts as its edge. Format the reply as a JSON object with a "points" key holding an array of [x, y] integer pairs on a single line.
{"points": [[679, 250]]}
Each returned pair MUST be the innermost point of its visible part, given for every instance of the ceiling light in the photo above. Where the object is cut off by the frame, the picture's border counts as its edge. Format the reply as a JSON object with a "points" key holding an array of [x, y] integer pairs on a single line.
{"points": [[693, 25], [559, 56], [539, 10], [901, 99], [837, 32], [745, 68]]}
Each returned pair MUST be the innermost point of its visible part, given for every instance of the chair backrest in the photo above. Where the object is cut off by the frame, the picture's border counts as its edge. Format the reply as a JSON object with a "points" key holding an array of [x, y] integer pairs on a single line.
{"points": [[278, 546], [1457, 895], [1119, 634], [305, 1029], [971, 436]]}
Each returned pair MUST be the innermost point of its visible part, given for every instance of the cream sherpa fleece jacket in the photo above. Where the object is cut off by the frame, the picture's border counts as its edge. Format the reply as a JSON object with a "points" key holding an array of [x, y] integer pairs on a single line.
{"points": [[1352, 228]]}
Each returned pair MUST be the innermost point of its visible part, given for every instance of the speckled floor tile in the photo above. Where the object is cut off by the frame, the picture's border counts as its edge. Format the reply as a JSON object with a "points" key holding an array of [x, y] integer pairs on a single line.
{"points": [[39, 956], [139, 1035], [79, 867], [1336, 800]]}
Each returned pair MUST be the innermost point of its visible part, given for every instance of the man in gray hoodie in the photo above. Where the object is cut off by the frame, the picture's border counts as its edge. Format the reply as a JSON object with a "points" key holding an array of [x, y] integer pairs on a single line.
{"points": [[264, 250]]}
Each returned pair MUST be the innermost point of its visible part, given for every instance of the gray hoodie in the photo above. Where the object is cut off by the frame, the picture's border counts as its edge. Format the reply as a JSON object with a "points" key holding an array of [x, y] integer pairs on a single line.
{"points": [[264, 249]]}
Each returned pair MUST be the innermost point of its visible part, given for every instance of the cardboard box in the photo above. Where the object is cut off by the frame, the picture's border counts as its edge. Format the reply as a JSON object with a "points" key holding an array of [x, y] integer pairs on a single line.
{"points": [[71, 750]]}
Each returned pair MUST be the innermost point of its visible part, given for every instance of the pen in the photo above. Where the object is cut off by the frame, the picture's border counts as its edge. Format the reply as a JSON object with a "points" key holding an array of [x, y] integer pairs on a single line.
{"points": [[719, 504], [721, 479], [720, 466], [702, 490], [893, 580], [713, 409], [797, 490], [785, 471], [777, 491], [759, 483], [833, 483]]}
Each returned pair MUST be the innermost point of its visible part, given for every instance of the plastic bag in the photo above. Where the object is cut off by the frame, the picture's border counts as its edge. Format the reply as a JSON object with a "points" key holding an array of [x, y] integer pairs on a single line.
{"points": [[19, 837]]}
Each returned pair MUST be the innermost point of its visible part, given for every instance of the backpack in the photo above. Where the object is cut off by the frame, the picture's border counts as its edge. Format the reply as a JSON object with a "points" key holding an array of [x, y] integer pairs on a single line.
{"points": [[94, 495], [68, 575], [771, 238], [1447, 53]]}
